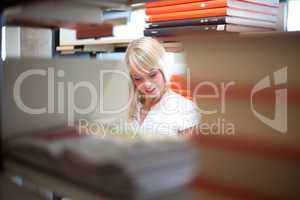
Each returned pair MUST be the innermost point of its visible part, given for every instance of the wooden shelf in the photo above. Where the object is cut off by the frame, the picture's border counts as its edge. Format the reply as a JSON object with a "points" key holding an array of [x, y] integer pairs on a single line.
{"points": [[102, 41], [108, 45], [90, 45]]}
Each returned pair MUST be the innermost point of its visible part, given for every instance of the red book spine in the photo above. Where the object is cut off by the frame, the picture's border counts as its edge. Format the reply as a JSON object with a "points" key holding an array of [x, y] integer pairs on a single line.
{"points": [[188, 15], [169, 3], [177, 2]]}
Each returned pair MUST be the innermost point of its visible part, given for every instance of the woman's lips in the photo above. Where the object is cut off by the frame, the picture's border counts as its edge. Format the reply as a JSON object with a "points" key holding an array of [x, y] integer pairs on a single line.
{"points": [[149, 90]]}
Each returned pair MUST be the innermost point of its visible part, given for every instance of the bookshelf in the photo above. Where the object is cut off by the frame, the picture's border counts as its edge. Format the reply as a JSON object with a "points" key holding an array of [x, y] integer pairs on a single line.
{"points": [[107, 45]]}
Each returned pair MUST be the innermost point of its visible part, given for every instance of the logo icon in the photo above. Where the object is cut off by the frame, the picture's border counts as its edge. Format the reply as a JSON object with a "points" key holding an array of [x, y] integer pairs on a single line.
{"points": [[279, 122]]}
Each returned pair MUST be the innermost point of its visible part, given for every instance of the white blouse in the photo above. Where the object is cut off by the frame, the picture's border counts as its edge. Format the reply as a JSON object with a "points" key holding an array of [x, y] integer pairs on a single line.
{"points": [[173, 113]]}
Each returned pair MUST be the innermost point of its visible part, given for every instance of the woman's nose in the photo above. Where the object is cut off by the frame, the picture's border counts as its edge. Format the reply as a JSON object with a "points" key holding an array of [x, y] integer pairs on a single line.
{"points": [[148, 84]]}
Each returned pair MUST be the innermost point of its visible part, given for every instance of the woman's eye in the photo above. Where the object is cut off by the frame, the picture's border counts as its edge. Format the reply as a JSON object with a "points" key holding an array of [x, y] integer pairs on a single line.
{"points": [[137, 78], [153, 74]]}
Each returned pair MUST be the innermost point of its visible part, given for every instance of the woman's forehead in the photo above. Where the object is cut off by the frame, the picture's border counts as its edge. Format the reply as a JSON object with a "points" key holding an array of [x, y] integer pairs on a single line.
{"points": [[141, 70]]}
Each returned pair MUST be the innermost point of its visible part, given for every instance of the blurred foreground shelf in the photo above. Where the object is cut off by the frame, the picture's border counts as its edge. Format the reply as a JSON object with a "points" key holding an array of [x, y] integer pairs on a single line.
{"points": [[66, 13], [48, 181]]}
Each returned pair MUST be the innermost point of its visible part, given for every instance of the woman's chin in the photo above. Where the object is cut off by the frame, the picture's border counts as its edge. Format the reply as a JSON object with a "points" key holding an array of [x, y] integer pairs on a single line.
{"points": [[152, 94]]}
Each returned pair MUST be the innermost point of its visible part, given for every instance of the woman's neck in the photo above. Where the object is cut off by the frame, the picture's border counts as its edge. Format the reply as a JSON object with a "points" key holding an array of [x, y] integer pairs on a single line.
{"points": [[149, 103]]}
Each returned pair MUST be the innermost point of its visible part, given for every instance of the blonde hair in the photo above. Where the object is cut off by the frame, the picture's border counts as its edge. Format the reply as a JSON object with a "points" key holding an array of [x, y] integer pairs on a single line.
{"points": [[145, 53]]}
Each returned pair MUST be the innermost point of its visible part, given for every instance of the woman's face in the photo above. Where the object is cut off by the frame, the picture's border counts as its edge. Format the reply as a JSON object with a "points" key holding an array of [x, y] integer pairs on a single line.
{"points": [[150, 83]]}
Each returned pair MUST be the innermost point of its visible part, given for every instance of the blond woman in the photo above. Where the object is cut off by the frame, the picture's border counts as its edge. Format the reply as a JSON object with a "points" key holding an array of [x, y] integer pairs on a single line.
{"points": [[153, 106]]}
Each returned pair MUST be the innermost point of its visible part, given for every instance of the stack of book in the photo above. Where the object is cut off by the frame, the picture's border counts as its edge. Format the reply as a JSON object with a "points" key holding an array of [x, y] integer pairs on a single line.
{"points": [[247, 88], [114, 167], [172, 17]]}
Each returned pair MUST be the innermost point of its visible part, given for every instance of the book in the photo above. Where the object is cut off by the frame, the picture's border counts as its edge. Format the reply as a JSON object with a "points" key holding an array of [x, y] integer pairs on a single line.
{"points": [[94, 31], [176, 2], [213, 21], [212, 13], [213, 4], [170, 31]]}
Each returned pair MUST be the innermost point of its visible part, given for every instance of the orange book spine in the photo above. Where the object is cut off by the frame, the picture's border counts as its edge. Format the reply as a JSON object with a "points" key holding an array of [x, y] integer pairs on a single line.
{"points": [[186, 7], [169, 3], [188, 15]]}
